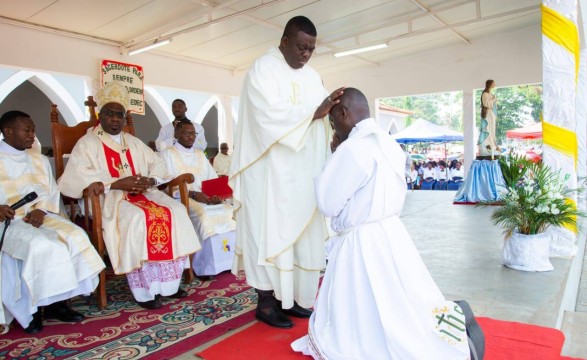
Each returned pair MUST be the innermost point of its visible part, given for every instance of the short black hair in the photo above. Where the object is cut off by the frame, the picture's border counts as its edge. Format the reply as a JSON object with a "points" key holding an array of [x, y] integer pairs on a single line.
{"points": [[299, 23], [9, 118], [180, 100], [182, 122]]}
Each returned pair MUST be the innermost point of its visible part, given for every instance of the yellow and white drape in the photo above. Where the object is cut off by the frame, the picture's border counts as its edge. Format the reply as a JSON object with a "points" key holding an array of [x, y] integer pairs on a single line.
{"points": [[560, 56]]}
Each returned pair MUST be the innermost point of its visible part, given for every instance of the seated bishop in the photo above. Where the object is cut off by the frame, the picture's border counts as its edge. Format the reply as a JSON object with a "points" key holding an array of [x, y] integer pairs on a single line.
{"points": [[148, 235], [45, 258], [212, 218]]}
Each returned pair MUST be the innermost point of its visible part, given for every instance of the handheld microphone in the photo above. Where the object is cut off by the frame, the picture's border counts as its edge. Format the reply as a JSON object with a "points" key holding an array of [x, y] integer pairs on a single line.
{"points": [[25, 200]]}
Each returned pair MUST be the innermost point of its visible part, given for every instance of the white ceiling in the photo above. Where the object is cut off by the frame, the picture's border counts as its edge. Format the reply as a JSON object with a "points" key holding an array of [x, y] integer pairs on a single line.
{"points": [[230, 34]]}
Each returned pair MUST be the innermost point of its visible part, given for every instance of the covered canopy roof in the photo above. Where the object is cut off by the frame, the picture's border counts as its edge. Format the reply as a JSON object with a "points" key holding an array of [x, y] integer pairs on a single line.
{"points": [[533, 131], [425, 131]]}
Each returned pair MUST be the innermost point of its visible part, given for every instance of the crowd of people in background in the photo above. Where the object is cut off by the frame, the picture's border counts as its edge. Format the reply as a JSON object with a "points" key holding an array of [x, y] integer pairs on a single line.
{"points": [[433, 175]]}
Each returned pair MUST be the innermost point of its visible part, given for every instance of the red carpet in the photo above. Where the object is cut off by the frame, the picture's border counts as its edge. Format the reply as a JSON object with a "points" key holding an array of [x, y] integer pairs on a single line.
{"points": [[504, 340], [126, 331], [259, 342]]}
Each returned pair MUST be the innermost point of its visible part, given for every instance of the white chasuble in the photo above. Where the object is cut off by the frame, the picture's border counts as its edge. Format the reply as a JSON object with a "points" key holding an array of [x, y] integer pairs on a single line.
{"points": [[279, 149], [124, 225], [207, 219], [40, 265]]}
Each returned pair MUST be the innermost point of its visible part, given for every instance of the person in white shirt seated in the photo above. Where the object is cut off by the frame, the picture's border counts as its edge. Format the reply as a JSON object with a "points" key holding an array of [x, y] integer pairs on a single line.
{"points": [[46, 259], [428, 176], [222, 161], [211, 217], [457, 176], [442, 176]]}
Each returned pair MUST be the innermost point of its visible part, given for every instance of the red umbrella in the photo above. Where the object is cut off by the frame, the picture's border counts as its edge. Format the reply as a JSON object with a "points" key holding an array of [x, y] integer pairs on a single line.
{"points": [[533, 131]]}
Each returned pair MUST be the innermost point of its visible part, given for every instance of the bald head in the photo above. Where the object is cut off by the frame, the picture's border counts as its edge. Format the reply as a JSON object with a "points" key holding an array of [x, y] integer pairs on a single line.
{"points": [[356, 102], [352, 108]]}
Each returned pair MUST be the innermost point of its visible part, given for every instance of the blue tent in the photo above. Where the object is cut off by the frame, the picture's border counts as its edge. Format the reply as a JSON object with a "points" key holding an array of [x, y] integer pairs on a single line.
{"points": [[425, 131]]}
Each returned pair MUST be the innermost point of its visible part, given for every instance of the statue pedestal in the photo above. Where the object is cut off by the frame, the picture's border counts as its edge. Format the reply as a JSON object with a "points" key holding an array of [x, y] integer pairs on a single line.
{"points": [[482, 183], [488, 157]]}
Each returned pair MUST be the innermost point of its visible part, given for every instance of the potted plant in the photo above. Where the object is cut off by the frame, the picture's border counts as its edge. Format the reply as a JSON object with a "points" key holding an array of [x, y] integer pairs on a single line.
{"points": [[534, 198]]}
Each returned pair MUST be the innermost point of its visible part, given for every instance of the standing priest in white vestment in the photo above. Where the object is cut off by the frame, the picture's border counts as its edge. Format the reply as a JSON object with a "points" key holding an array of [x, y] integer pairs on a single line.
{"points": [[166, 138], [46, 259], [377, 299], [184, 157], [148, 235], [281, 143]]}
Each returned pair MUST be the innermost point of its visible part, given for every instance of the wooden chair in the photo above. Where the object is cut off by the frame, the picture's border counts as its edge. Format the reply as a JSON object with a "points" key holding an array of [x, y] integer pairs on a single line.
{"points": [[64, 139]]}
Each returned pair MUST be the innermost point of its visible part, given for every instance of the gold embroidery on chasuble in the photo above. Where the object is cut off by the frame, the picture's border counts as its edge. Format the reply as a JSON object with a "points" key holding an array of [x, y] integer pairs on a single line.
{"points": [[158, 222], [295, 94], [183, 168], [11, 186]]}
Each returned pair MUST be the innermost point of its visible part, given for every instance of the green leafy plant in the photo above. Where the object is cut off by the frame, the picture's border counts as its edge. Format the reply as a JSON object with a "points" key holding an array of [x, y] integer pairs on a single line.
{"points": [[534, 198], [513, 169]]}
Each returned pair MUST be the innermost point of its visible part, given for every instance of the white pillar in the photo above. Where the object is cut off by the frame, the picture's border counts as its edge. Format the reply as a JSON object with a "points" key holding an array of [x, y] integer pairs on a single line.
{"points": [[469, 129], [225, 128], [560, 52]]}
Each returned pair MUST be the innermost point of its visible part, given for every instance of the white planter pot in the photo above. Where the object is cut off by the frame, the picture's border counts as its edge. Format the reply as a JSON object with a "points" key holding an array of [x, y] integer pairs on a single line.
{"points": [[527, 252]]}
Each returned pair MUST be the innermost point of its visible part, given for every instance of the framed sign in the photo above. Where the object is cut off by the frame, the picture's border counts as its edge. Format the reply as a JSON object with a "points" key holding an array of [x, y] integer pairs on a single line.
{"points": [[131, 76]]}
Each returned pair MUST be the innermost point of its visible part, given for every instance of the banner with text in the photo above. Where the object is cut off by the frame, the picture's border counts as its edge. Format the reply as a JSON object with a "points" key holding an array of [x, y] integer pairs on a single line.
{"points": [[131, 76]]}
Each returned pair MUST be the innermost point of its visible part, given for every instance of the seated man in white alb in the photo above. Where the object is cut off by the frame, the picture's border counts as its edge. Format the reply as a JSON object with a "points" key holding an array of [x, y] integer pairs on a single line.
{"points": [[222, 161], [166, 134], [147, 234], [211, 217], [46, 259]]}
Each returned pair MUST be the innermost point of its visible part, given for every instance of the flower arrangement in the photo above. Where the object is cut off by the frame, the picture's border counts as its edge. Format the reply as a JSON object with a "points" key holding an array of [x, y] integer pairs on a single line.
{"points": [[535, 197]]}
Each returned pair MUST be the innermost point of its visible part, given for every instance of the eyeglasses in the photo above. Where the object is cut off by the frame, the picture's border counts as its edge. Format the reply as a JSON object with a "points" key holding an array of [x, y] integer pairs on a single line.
{"points": [[113, 113], [223, 148]]}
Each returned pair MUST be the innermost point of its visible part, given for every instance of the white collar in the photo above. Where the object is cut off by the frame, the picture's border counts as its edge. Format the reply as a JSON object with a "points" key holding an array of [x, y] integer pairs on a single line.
{"points": [[183, 149], [363, 124], [117, 138], [9, 150]]}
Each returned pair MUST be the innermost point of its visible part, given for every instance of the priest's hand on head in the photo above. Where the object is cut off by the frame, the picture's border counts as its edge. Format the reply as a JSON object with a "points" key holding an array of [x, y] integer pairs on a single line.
{"points": [[35, 218], [6, 212], [328, 103], [135, 184]]}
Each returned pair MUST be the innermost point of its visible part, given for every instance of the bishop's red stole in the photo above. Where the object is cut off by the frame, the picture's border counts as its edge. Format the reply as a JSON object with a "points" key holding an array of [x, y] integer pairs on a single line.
{"points": [[157, 217]]}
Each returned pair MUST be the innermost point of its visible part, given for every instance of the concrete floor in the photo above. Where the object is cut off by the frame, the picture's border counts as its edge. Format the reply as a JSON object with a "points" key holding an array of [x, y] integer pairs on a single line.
{"points": [[462, 250]]}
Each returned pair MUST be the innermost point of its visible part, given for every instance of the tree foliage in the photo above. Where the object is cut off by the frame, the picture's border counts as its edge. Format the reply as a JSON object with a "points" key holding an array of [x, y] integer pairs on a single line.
{"points": [[516, 106], [440, 108]]}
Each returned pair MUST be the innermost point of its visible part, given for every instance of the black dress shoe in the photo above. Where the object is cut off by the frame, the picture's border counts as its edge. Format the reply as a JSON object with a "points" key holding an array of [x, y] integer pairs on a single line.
{"points": [[180, 294], [205, 278], [298, 311], [274, 318], [151, 305], [62, 312], [36, 325]]}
